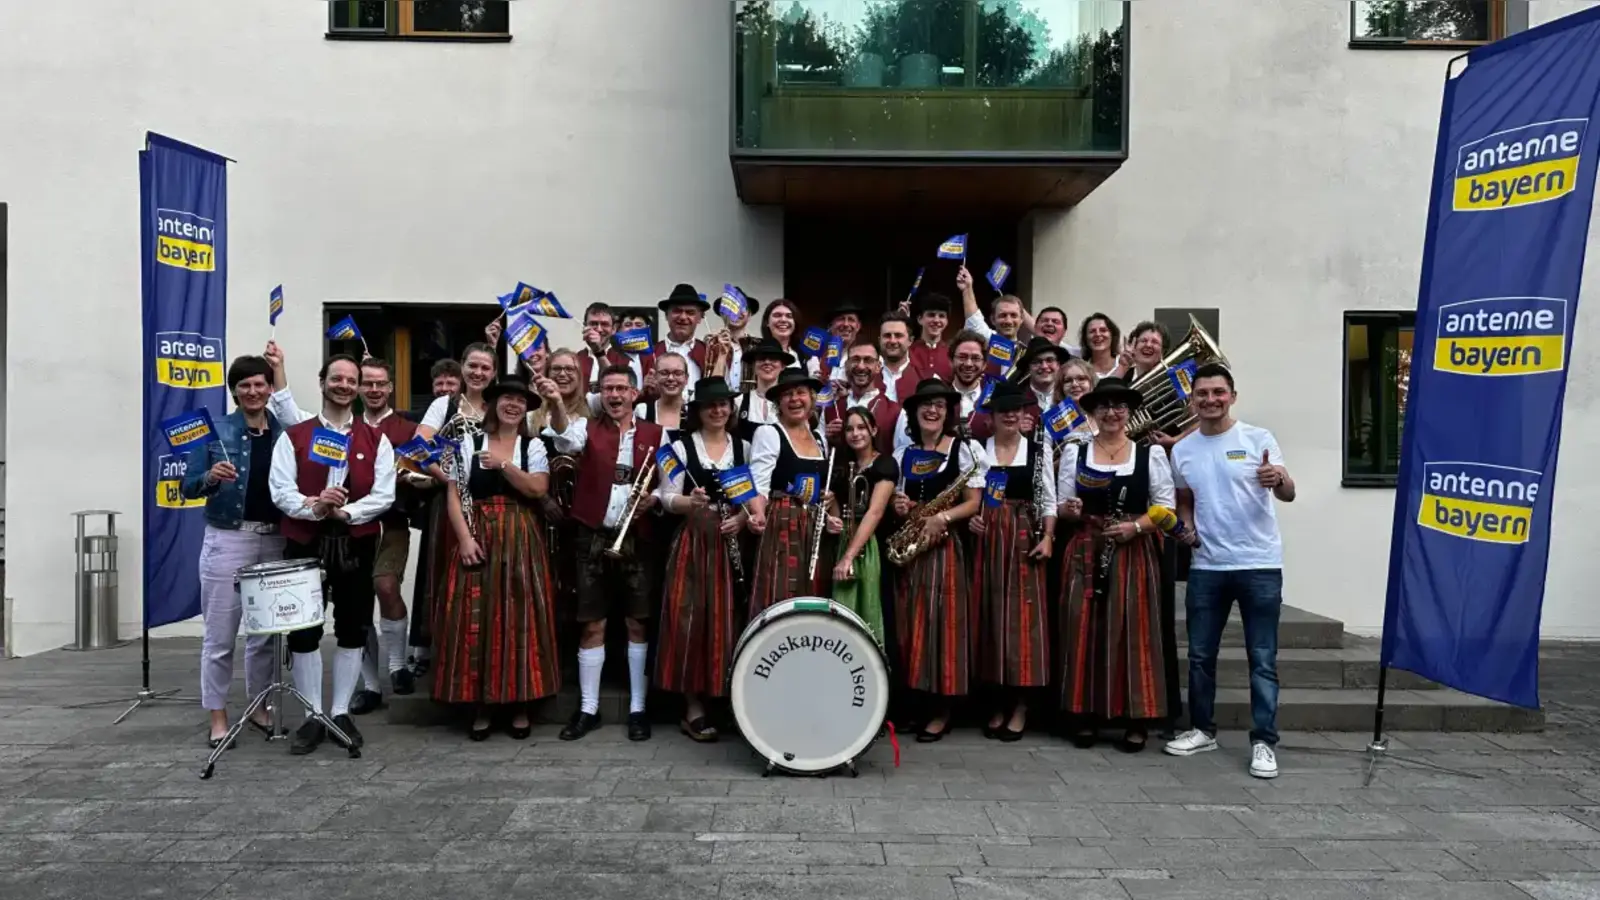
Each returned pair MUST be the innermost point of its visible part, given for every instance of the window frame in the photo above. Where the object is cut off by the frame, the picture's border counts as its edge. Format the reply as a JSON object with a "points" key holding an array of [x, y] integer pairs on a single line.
{"points": [[1377, 322], [400, 25], [1506, 17]]}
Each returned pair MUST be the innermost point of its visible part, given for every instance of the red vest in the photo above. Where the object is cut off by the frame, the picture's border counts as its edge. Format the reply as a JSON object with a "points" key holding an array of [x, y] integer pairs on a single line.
{"points": [[311, 478], [597, 466], [697, 354], [614, 357], [932, 361], [885, 415]]}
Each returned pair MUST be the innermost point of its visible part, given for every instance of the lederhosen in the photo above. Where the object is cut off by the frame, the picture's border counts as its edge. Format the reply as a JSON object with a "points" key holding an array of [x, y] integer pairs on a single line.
{"points": [[603, 579]]}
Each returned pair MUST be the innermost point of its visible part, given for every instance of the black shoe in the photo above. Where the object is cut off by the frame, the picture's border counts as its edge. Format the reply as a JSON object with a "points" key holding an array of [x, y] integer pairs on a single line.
{"points": [[478, 735], [402, 682], [582, 723], [519, 733], [420, 667], [365, 702], [307, 737], [638, 727], [348, 726], [266, 730]]}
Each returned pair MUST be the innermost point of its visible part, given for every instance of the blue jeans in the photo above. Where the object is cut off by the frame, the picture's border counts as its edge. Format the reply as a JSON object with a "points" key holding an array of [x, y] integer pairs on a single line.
{"points": [[1211, 595]]}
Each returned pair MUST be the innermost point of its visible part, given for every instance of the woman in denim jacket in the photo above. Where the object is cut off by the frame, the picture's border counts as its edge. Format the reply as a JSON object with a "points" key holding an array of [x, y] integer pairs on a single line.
{"points": [[241, 530]]}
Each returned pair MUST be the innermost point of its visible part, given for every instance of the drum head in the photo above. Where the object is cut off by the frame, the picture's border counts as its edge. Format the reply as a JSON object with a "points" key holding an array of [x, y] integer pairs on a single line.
{"points": [[810, 688]]}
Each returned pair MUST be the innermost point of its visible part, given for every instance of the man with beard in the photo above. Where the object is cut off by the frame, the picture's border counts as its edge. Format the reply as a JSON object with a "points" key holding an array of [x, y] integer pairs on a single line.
{"points": [[894, 349], [611, 449], [861, 388], [928, 352], [969, 355], [331, 514]]}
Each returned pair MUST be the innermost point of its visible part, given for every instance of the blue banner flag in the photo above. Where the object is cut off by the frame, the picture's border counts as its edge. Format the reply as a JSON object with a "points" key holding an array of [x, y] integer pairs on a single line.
{"points": [[833, 351], [738, 485], [806, 488], [183, 193], [732, 305], [917, 464], [345, 330], [954, 248], [1513, 188], [634, 340], [1182, 378], [328, 447], [812, 342], [525, 335], [275, 305], [1062, 419], [998, 273], [668, 462], [185, 430], [994, 487]]}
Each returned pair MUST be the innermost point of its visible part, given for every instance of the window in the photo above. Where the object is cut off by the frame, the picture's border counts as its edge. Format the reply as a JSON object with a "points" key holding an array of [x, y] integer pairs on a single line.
{"points": [[1434, 23], [1377, 371], [432, 19]]}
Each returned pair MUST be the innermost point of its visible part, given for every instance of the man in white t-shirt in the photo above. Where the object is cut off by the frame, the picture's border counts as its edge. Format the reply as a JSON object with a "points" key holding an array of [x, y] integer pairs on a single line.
{"points": [[1227, 474]]}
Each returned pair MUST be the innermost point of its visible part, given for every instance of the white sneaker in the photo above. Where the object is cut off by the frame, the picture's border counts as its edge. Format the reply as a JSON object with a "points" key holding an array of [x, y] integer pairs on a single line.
{"points": [[1190, 742], [1263, 762]]}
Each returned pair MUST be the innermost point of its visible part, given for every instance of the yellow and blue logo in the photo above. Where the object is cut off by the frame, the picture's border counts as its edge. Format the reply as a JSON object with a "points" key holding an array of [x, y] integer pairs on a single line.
{"points": [[994, 487], [329, 447], [738, 485], [169, 484], [1519, 166], [668, 462], [185, 240], [1478, 501], [189, 428], [188, 359], [1237, 455], [1502, 336]]}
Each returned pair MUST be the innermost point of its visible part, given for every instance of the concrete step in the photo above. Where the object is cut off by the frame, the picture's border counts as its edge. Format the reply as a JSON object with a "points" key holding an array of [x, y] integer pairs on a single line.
{"points": [[1354, 665], [1349, 709]]}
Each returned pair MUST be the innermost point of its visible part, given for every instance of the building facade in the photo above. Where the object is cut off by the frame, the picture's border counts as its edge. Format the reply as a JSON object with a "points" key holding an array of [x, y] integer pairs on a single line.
{"points": [[1264, 166]]}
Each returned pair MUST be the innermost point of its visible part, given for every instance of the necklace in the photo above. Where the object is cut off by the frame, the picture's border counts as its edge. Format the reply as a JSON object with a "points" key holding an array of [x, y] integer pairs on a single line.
{"points": [[1112, 454]]}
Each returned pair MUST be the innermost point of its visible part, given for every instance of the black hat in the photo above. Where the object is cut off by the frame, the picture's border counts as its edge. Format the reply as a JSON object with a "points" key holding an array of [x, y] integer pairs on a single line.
{"points": [[1111, 390], [684, 295], [511, 384], [1005, 397], [929, 389], [1038, 347], [767, 348], [754, 304], [708, 390], [846, 307], [792, 378], [933, 302]]}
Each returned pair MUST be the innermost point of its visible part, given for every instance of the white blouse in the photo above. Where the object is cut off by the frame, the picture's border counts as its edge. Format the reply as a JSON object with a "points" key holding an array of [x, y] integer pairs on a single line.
{"points": [[764, 454], [1160, 472], [993, 461], [537, 463], [674, 487], [968, 453]]}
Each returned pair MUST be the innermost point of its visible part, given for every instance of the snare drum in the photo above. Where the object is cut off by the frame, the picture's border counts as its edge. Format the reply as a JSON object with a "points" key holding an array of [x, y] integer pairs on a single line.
{"points": [[280, 596], [810, 686]]}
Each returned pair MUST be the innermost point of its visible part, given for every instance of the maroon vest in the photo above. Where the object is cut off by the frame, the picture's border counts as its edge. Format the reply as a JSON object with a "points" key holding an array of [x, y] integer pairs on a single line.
{"points": [[597, 466], [311, 478], [697, 353], [885, 415], [932, 362]]}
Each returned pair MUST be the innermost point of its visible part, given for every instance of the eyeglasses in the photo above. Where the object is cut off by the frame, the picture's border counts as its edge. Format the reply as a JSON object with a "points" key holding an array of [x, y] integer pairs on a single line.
{"points": [[970, 357], [563, 370], [1114, 406]]}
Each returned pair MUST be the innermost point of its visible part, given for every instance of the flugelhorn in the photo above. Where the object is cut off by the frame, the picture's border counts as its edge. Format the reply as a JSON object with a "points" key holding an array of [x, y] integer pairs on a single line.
{"points": [[1166, 407], [641, 485]]}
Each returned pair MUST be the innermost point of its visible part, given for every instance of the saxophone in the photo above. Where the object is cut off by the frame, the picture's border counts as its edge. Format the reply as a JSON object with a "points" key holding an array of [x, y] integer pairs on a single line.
{"points": [[907, 544]]}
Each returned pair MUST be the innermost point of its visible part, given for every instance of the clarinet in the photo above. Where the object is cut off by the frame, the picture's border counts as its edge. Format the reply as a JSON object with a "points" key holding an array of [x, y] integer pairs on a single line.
{"points": [[730, 541], [1108, 546], [1040, 510]]}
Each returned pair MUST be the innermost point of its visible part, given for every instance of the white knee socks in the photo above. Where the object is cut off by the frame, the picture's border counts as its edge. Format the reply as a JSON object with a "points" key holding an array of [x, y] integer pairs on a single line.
{"points": [[590, 662], [307, 677], [394, 642], [346, 669], [369, 663], [638, 678]]}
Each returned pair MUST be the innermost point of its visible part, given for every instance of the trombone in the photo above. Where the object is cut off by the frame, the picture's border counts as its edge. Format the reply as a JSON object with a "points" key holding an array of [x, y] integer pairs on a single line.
{"points": [[641, 484]]}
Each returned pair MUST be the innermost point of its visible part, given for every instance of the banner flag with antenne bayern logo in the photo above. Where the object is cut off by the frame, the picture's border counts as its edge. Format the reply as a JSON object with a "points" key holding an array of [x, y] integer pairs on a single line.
{"points": [[183, 234], [1508, 222]]}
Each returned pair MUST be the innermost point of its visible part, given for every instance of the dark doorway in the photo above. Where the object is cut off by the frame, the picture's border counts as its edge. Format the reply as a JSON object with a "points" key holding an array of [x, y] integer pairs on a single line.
{"points": [[412, 337], [875, 261]]}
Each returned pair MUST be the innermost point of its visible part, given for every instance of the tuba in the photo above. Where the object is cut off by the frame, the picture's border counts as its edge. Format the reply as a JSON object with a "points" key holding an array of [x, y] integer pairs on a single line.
{"points": [[1166, 405]]}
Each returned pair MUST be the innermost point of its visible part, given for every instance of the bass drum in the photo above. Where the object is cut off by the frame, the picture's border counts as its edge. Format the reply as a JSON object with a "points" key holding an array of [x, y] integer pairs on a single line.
{"points": [[809, 686]]}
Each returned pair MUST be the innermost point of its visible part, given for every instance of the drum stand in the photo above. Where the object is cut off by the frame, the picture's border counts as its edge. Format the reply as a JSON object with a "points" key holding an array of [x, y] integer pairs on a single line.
{"points": [[276, 691]]}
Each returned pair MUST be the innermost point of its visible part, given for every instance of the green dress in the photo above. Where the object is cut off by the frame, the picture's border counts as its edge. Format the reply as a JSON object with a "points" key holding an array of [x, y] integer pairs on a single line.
{"points": [[862, 594]]}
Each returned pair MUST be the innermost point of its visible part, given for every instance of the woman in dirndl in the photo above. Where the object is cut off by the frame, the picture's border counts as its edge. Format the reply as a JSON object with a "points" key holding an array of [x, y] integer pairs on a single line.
{"points": [[1011, 562], [789, 467], [862, 490], [495, 625], [694, 644], [935, 618], [1113, 663]]}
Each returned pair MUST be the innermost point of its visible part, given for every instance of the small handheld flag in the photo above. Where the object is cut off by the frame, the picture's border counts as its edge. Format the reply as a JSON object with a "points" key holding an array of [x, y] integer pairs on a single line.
{"points": [[994, 487], [668, 462], [833, 353], [525, 335], [738, 485], [418, 450], [635, 340], [916, 283], [954, 248], [733, 305], [1182, 378], [329, 447], [1062, 419], [806, 488], [192, 429], [812, 342], [549, 306], [1002, 351], [998, 273], [275, 307], [828, 394], [989, 383], [917, 464], [345, 330]]}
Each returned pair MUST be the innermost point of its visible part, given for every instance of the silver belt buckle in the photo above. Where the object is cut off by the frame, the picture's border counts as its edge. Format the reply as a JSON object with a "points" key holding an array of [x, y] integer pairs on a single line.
{"points": [[258, 527]]}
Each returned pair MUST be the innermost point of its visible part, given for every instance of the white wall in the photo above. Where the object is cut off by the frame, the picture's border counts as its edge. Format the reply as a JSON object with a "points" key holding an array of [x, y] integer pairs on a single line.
{"points": [[1282, 177], [589, 156]]}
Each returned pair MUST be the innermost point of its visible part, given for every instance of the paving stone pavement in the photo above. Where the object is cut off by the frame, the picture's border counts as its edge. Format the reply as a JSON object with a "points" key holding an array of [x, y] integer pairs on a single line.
{"points": [[88, 809]]}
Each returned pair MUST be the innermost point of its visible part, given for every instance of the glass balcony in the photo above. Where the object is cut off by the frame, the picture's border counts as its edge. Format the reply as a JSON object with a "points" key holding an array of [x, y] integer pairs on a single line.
{"points": [[911, 78]]}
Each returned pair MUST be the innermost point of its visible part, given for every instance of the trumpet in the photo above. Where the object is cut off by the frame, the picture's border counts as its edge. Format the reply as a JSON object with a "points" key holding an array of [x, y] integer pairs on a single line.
{"points": [[641, 485], [852, 497], [821, 514]]}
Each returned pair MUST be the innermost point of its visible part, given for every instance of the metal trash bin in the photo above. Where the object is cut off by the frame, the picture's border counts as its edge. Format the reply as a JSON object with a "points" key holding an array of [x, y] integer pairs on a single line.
{"points": [[95, 590]]}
